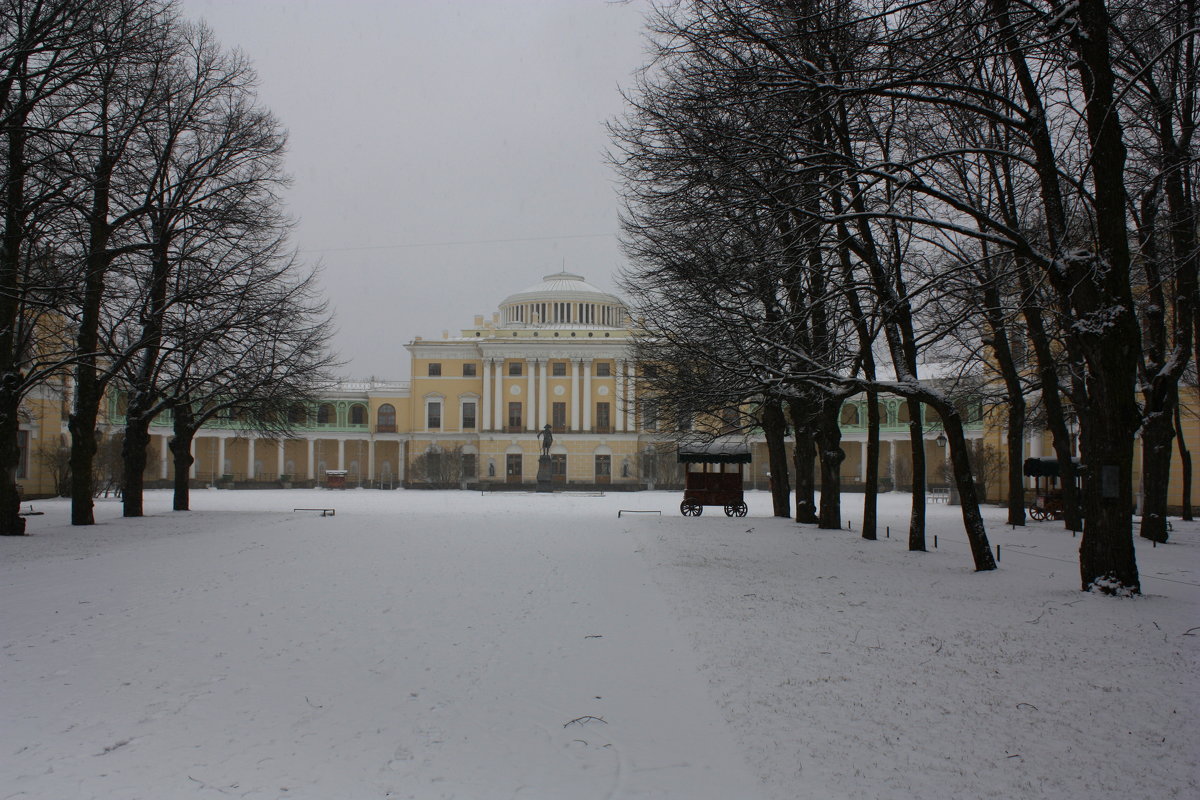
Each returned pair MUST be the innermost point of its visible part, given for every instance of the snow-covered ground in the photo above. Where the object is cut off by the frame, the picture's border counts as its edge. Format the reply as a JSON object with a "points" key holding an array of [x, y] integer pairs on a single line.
{"points": [[459, 645]]}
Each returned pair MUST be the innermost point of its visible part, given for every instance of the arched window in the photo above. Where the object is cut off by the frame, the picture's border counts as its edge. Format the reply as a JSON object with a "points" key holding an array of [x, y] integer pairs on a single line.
{"points": [[358, 414], [385, 418], [850, 414], [326, 415], [298, 415]]}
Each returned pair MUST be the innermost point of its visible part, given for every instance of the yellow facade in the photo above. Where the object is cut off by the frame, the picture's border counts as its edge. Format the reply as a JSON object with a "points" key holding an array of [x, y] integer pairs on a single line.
{"points": [[557, 354]]}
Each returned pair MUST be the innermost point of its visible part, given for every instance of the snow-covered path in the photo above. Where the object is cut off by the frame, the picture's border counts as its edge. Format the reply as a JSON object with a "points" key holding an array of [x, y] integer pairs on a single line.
{"points": [[382, 652]]}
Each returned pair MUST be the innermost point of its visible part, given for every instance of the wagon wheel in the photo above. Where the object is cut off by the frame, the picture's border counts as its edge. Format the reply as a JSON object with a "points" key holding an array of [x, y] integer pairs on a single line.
{"points": [[735, 510], [1037, 514], [690, 508], [741, 510]]}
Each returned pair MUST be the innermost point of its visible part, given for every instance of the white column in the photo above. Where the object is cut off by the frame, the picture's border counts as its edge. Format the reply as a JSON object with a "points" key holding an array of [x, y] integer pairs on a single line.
{"points": [[862, 462], [280, 463], [576, 416], [309, 468], [250, 458], [165, 457], [341, 454], [499, 365], [543, 395], [530, 405], [192, 450], [220, 455], [370, 459], [587, 395], [486, 411], [619, 398]]}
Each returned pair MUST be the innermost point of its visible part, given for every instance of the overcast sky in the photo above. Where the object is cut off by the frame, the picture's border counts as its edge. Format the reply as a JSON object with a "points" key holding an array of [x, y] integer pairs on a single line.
{"points": [[445, 153]]}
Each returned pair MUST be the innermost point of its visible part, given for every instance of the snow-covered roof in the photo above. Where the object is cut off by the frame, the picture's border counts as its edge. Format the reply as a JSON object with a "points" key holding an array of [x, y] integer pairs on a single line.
{"points": [[562, 287], [720, 451]]}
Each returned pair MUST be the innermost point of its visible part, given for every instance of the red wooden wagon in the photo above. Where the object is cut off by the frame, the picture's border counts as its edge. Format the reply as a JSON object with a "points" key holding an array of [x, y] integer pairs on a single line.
{"points": [[713, 477]]}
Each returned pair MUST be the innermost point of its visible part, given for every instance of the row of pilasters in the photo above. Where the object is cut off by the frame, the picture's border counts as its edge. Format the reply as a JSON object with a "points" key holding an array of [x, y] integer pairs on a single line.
{"points": [[537, 382]]}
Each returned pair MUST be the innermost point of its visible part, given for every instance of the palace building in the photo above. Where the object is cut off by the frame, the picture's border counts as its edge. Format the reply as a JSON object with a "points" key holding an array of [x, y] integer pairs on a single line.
{"points": [[559, 353]]}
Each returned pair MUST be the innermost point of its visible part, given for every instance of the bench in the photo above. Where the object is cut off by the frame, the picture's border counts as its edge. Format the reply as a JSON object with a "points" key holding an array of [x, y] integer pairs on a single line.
{"points": [[325, 512], [939, 495]]}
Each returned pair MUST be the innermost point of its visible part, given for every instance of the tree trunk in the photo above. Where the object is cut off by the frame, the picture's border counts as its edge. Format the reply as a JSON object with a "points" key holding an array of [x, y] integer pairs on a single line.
{"points": [[916, 437], [181, 449], [1098, 288], [805, 455], [981, 551], [1106, 556], [1185, 458], [1158, 430], [11, 521], [133, 458], [1014, 397], [82, 425], [89, 388], [1016, 461], [871, 490], [775, 430], [1056, 415], [829, 441]]}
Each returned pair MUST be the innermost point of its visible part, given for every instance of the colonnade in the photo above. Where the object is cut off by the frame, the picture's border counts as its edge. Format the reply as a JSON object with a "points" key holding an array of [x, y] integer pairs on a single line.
{"points": [[537, 381], [257, 448]]}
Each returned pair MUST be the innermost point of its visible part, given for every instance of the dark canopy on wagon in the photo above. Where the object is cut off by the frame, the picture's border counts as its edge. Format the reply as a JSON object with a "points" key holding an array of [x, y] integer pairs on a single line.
{"points": [[1044, 467], [717, 452]]}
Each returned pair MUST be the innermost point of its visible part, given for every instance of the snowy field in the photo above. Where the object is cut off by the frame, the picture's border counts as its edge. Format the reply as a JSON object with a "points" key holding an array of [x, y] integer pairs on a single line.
{"points": [[459, 645]]}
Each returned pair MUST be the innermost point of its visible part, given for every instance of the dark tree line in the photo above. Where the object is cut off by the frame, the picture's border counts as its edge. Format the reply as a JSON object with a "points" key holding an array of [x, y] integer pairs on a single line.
{"points": [[824, 197], [144, 246]]}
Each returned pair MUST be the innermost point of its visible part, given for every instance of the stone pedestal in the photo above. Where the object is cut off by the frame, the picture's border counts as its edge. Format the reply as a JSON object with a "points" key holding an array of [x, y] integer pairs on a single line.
{"points": [[545, 475]]}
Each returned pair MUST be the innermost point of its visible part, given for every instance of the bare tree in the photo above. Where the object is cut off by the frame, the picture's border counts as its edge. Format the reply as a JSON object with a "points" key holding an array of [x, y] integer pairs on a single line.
{"points": [[46, 49]]}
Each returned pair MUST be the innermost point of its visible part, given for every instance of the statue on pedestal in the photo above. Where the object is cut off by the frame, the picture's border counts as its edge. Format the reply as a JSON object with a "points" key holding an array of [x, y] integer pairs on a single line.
{"points": [[547, 439]]}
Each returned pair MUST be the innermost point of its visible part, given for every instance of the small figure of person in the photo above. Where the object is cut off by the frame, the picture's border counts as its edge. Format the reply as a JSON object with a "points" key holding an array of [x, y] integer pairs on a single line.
{"points": [[547, 439]]}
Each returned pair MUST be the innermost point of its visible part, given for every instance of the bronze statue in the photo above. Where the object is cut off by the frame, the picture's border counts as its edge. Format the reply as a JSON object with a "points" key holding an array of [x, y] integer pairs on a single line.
{"points": [[547, 439]]}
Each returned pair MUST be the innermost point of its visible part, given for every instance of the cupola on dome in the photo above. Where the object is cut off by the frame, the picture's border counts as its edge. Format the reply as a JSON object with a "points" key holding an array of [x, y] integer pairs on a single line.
{"points": [[563, 299]]}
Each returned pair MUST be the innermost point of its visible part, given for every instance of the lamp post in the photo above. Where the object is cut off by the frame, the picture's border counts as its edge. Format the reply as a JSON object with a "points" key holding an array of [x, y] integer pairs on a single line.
{"points": [[954, 499]]}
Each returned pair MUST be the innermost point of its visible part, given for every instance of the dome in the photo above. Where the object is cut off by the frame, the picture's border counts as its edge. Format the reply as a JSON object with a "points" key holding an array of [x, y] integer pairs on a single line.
{"points": [[562, 286], [563, 299]]}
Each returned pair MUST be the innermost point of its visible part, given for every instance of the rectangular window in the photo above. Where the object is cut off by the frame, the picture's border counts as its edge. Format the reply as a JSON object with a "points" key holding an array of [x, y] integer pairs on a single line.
{"points": [[433, 415], [558, 417], [650, 370], [469, 371], [603, 467], [514, 368], [649, 416], [603, 420], [514, 416], [558, 467], [512, 467], [603, 369], [435, 369], [468, 465], [558, 369], [468, 416]]}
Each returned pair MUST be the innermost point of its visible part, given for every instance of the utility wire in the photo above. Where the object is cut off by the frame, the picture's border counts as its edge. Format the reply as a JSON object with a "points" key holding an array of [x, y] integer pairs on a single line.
{"points": [[456, 243]]}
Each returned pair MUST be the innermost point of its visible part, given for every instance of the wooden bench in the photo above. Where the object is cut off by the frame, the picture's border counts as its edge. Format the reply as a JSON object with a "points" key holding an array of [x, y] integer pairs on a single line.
{"points": [[939, 495]]}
